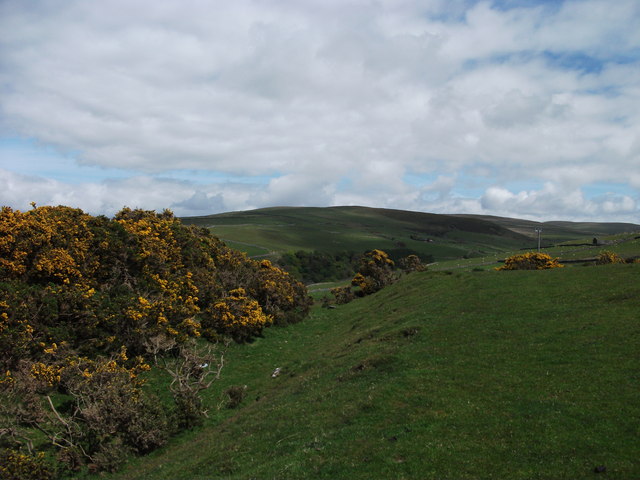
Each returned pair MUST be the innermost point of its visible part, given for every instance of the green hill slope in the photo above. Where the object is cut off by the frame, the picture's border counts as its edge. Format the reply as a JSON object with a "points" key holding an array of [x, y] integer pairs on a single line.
{"points": [[557, 231], [334, 229], [273, 231], [518, 375]]}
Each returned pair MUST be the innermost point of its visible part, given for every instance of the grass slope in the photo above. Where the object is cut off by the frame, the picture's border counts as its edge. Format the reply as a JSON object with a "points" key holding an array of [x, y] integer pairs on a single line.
{"points": [[333, 229], [558, 231], [626, 245], [519, 375]]}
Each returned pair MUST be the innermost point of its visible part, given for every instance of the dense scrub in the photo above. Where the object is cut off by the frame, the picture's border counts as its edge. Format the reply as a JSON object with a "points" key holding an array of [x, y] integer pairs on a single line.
{"points": [[314, 267], [318, 266], [531, 261], [607, 257], [86, 302], [375, 271]]}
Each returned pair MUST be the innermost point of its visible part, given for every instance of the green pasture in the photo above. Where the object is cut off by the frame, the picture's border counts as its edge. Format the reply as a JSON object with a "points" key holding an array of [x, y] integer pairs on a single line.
{"points": [[443, 375]]}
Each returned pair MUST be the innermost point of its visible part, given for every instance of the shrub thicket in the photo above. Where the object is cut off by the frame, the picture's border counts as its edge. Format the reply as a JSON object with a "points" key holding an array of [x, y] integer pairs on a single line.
{"points": [[83, 299], [607, 257], [412, 263], [530, 261], [98, 283], [314, 267], [375, 272]]}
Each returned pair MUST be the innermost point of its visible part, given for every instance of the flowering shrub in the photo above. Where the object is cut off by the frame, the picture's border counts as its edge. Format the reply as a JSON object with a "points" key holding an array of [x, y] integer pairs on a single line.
{"points": [[16, 465], [83, 299], [281, 297], [239, 316], [68, 276], [375, 272], [530, 261], [607, 257]]}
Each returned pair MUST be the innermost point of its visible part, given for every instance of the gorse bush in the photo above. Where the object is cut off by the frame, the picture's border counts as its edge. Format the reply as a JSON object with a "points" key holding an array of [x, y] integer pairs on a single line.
{"points": [[86, 301], [342, 295], [607, 257], [239, 316], [412, 263], [375, 272], [530, 261], [15, 465], [98, 283]]}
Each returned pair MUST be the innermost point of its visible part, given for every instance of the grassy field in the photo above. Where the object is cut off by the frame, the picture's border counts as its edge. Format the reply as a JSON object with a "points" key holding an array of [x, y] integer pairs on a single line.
{"points": [[458, 375]]}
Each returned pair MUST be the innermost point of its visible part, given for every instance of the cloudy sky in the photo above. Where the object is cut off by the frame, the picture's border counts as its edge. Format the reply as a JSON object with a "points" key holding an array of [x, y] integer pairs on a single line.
{"points": [[523, 108]]}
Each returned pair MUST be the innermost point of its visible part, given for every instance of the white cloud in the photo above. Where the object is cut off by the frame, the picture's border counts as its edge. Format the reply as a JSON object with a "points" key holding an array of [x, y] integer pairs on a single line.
{"points": [[538, 204], [313, 93]]}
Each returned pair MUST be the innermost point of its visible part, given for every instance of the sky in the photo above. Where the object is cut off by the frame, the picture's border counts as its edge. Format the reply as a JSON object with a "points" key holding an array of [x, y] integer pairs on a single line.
{"points": [[519, 108]]}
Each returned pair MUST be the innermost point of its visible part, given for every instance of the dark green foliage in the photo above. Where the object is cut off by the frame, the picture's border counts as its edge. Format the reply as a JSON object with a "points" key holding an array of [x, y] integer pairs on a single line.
{"points": [[315, 267], [343, 294]]}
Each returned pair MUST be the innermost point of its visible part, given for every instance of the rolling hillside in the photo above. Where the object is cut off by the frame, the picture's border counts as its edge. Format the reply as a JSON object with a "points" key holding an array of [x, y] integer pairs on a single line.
{"points": [[333, 229], [492, 375], [271, 231], [558, 231]]}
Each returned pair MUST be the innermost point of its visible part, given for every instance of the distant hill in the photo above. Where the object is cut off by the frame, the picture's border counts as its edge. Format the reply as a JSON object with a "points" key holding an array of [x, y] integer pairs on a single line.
{"points": [[558, 231], [273, 231]]}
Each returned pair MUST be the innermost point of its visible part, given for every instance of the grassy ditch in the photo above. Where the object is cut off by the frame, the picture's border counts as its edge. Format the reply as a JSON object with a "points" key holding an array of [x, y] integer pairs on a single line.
{"points": [[464, 375]]}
